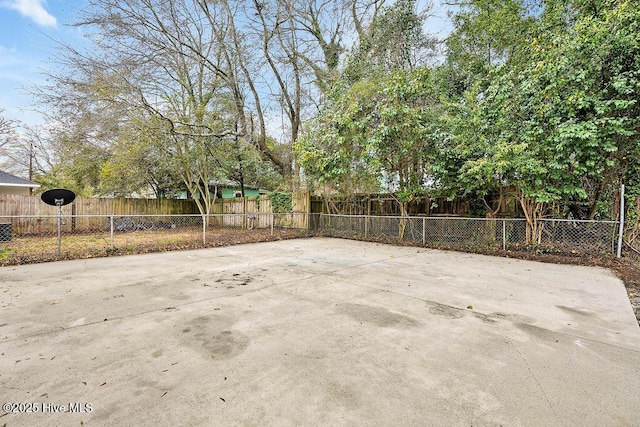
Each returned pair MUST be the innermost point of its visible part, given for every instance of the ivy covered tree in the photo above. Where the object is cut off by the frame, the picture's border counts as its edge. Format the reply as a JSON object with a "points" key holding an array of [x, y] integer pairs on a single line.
{"points": [[376, 135], [375, 130], [394, 41], [560, 128]]}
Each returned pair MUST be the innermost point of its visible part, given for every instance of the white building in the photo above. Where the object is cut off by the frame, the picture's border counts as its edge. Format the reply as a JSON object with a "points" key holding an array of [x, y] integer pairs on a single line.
{"points": [[11, 184]]}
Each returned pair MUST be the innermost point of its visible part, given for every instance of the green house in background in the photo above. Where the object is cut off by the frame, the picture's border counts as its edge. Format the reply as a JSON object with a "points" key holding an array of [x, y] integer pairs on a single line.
{"points": [[226, 189], [231, 192]]}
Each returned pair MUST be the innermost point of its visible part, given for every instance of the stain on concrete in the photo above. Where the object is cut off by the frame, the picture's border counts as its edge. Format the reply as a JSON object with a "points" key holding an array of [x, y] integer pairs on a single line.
{"points": [[484, 317], [378, 316], [516, 318], [157, 353], [201, 320], [222, 345], [537, 331], [343, 395], [236, 279], [573, 310], [214, 338], [446, 311], [144, 386]]}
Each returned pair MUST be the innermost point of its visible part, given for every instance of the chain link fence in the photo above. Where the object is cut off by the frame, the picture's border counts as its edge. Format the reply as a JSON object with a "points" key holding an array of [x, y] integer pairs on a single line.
{"points": [[38, 238], [550, 235], [43, 238]]}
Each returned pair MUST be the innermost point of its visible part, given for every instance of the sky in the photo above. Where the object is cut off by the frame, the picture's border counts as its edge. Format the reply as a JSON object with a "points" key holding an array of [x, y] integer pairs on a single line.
{"points": [[29, 32]]}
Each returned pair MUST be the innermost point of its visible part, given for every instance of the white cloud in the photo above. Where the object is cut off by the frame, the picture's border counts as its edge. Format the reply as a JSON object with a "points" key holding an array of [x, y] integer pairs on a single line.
{"points": [[33, 9]]}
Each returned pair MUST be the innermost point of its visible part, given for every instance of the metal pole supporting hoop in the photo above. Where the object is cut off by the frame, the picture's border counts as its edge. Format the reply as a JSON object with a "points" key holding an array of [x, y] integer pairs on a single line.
{"points": [[58, 197]]}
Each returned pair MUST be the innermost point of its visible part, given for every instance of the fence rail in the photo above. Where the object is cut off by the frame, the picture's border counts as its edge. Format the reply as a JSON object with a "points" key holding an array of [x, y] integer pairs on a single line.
{"points": [[554, 235]]}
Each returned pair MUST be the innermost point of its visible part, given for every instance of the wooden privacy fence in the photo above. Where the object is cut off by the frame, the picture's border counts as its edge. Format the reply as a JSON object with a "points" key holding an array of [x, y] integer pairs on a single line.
{"points": [[300, 203], [87, 214], [17, 205], [17, 209], [388, 205]]}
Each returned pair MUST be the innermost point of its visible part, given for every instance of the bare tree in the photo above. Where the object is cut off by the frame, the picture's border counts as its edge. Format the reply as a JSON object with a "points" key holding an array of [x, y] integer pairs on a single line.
{"points": [[201, 72], [139, 75], [16, 152], [7, 129]]}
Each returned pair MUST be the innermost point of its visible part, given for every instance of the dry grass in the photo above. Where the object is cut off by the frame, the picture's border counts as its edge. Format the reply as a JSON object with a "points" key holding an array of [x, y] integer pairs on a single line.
{"points": [[32, 249]]}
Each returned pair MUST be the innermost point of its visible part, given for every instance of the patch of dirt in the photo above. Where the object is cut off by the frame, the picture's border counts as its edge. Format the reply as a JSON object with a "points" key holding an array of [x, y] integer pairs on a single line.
{"points": [[30, 250], [628, 270]]}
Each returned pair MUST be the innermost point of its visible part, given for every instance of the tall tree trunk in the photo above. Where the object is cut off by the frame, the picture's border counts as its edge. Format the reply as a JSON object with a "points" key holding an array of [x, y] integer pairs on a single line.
{"points": [[533, 212]]}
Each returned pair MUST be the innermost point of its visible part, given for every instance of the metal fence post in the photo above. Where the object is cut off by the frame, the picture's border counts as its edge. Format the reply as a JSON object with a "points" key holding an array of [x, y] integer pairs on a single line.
{"points": [[272, 223], [111, 231], [59, 227], [621, 217], [504, 235], [204, 229], [366, 226], [424, 231]]}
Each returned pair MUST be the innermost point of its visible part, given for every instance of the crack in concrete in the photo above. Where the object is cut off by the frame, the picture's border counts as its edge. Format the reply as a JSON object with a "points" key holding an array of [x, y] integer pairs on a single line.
{"points": [[544, 393]]}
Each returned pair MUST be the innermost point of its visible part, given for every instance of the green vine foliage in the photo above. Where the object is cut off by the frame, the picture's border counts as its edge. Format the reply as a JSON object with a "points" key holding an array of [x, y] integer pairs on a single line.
{"points": [[281, 202]]}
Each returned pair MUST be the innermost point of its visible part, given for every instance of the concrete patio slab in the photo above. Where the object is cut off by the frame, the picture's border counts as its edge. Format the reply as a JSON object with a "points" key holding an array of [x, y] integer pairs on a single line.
{"points": [[316, 331]]}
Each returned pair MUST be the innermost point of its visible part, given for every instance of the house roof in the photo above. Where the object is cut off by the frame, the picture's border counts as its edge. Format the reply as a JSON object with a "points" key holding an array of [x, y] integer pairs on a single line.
{"points": [[8, 180]]}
